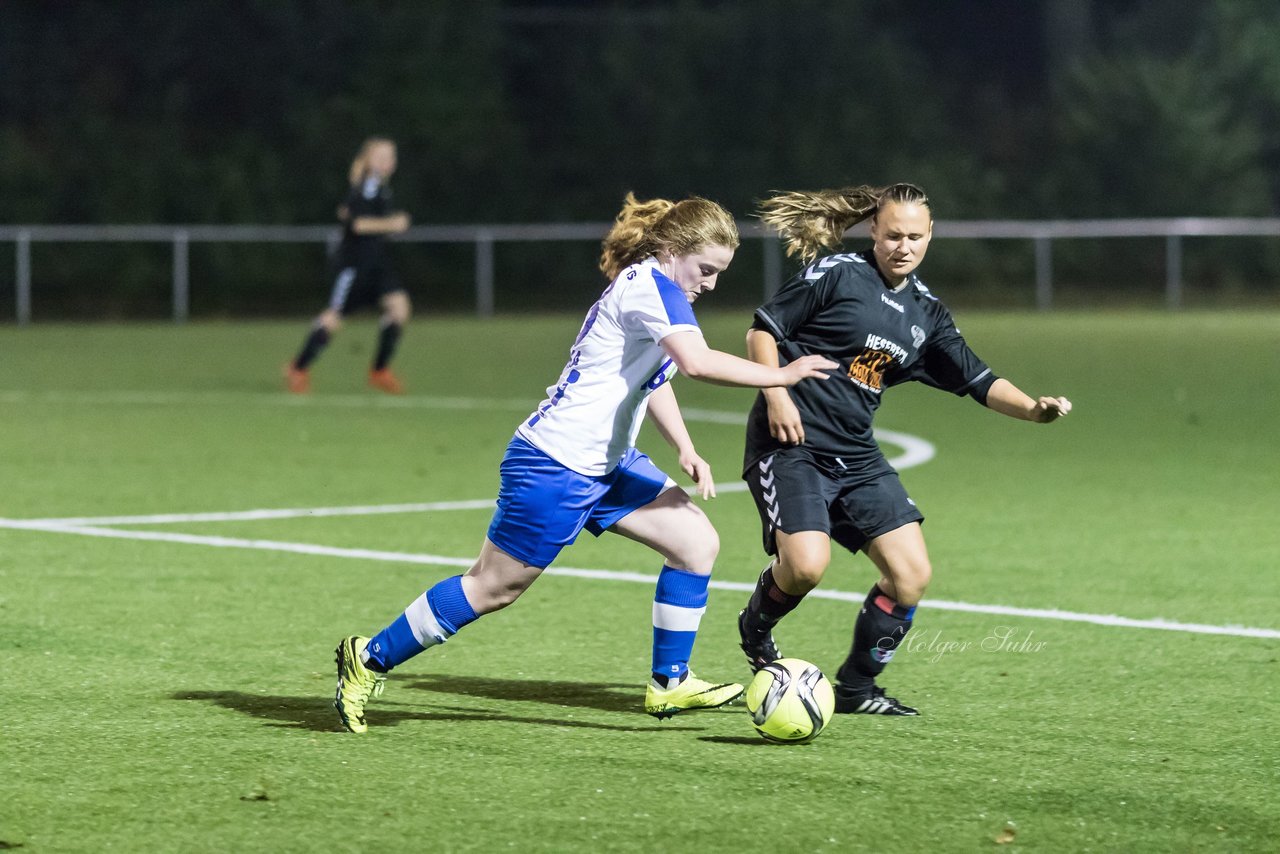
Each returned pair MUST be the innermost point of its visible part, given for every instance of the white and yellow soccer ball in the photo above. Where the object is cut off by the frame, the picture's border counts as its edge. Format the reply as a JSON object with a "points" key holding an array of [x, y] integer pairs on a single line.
{"points": [[790, 701]]}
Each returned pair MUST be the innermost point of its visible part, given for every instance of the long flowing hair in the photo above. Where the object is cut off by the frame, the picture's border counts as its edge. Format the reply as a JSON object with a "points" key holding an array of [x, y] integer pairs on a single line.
{"points": [[812, 221], [642, 229]]}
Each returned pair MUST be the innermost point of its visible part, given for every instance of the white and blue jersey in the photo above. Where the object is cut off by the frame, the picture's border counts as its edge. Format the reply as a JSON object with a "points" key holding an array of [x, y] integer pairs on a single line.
{"points": [[592, 415], [572, 463]]}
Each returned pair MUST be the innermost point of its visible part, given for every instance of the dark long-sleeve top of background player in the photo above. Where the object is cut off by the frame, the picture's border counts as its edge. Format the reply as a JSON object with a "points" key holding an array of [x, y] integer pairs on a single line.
{"points": [[370, 198]]}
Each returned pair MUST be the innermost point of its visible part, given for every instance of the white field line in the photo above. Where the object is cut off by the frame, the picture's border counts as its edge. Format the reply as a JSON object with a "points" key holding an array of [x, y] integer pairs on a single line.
{"points": [[915, 452], [254, 515], [234, 543], [634, 577], [284, 513]]}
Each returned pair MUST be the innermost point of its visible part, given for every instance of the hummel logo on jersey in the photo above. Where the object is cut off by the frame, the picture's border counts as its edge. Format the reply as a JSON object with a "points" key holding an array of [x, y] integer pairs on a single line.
{"points": [[770, 497], [819, 268], [893, 305]]}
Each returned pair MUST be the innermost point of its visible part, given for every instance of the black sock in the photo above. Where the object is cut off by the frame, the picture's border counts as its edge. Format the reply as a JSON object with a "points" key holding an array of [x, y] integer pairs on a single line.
{"points": [[388, 338], [769, 604], [316, 341], [881, 626]]}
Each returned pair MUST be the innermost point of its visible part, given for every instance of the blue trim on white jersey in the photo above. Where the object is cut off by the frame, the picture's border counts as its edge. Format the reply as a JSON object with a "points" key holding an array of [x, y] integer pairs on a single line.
{"points": [[674, 300]]}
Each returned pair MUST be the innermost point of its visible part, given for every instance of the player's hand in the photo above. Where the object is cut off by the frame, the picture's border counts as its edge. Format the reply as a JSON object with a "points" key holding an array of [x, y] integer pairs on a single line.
{"points": [[784, 419], [698, 469], [808, 367], [400, 221], [1050, 409]]}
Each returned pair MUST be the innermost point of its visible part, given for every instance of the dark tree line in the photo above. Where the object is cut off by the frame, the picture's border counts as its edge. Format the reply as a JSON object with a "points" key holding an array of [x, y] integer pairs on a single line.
{"points": [[249, 110]]}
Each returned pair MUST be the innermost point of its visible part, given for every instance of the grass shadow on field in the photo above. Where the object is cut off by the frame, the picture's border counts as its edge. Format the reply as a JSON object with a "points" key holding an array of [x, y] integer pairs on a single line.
{"points": [[317, 714], [310, 712], [744, 740], [604, 696]]}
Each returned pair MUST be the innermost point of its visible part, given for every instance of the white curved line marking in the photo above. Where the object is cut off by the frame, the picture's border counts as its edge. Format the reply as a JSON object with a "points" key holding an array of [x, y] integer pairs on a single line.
{"points": [[634, 577], [916, 451]]}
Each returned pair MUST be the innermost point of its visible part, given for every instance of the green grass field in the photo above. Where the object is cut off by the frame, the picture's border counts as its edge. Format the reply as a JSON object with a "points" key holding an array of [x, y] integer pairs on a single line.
{"points": [[174, 694]]}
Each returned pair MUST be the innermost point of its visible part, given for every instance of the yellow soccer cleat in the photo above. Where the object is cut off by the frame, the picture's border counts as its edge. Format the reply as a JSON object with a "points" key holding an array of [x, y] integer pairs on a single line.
{"points": [[692, 693], [356, 684]]}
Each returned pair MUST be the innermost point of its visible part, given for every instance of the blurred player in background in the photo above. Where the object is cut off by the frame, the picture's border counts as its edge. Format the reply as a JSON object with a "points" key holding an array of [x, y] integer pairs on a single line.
{"points": [[811, 461], [364, 273], [573, 462]]}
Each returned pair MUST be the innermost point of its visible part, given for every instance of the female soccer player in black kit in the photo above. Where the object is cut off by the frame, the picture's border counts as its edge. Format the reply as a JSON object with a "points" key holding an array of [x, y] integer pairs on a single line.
{"points": [[811, 462], [364, 274]]}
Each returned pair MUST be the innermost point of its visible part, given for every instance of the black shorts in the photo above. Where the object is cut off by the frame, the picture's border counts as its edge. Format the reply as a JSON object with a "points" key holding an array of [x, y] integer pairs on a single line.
{"points": [[357, 287], [799, 491]]}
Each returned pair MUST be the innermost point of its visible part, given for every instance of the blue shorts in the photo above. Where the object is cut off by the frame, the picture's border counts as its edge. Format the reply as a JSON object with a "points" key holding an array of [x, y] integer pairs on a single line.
{"points": [[542, 505]]}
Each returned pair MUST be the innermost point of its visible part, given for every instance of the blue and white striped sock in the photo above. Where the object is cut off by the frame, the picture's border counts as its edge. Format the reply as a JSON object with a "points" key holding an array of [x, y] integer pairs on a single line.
{"points": [[431, 619], [678, 606]]}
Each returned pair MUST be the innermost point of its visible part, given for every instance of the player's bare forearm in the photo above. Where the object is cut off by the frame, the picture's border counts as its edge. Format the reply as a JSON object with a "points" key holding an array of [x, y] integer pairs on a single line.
{"points": [[664, 412], [1007, 399], [762, 348], [698, 361], [390, 224]]}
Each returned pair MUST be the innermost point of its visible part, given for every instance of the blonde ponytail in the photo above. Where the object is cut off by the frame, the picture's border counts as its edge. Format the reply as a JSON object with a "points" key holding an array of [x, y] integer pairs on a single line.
{"points": [[811, 221], [642, 229]]}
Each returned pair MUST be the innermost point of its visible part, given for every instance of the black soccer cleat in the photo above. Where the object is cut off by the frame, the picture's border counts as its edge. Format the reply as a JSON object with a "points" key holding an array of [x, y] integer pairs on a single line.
{"points": [[869, 702], [760, 649]]}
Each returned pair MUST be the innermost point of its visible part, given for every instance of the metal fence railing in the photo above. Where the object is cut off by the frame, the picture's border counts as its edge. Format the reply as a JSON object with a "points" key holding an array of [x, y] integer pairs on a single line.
{"points": [[485, 237]]}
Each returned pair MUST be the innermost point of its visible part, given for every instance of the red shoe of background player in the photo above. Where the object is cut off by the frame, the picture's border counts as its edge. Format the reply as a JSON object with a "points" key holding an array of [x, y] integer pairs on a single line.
{"points": [[297, 381], [386, 381]]}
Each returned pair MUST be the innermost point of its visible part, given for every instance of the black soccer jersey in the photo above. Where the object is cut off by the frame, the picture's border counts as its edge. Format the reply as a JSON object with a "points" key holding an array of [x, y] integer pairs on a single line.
{"points": [[371, 197], [839, 307]]}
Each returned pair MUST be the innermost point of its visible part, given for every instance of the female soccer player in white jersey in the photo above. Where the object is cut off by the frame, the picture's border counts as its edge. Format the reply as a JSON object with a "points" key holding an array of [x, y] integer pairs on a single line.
{"points": [[811, 461], [572, 463]]}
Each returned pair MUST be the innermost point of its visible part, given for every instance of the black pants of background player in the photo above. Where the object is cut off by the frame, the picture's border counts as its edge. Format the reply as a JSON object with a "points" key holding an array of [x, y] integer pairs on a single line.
{"points": [[796, 490], [355, 288]]}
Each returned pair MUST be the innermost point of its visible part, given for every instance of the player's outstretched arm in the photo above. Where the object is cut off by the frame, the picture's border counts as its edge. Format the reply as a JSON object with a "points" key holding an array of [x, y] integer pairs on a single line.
{"points": [[664, 412], [1007, 399], [695, 359]]}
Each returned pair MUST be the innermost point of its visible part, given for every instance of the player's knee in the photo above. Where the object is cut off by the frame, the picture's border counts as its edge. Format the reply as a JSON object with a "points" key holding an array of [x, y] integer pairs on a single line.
{"points": [[800, 578], [698, 545], [699, 555], [397, 308], [911, 582], [708, 548], [330, 320], [802, 566]]}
